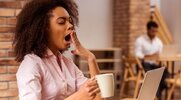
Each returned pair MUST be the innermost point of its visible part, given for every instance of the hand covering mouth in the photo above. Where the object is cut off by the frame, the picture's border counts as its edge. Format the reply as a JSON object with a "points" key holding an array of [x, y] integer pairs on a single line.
{"points": [[67, 38]]}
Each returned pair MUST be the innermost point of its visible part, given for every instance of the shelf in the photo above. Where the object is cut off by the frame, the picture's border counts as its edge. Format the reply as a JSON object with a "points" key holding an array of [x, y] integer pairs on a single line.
{"points": [[108, 59], [105, 49], [103, 60]]}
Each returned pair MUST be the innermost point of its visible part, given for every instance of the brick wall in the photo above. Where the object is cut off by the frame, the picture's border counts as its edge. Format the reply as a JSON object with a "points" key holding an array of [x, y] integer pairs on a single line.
{"points": [[130, 17], [9, 9]]}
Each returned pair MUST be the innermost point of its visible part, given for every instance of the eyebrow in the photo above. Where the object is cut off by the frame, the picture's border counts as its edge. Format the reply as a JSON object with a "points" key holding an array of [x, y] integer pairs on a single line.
{"points": [[65, 18]]}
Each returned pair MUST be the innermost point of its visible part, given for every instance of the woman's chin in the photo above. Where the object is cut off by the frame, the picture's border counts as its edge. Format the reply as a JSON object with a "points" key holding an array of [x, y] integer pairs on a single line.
{"points": [[66, 48]]}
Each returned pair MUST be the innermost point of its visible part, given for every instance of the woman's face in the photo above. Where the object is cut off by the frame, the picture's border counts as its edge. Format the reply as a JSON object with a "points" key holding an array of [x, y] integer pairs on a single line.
{"points": [[59, 30]]}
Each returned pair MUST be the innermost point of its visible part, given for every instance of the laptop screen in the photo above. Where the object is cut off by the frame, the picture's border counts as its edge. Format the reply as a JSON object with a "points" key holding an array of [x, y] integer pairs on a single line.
{"points": [[150, 84]]}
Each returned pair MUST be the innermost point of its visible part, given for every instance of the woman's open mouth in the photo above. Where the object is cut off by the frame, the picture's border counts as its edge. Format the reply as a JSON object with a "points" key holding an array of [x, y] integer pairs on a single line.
{"points": [[68, 38]]}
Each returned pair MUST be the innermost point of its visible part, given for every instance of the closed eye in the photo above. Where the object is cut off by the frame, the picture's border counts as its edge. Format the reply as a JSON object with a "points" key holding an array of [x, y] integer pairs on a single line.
{"points": [[61, 21]]}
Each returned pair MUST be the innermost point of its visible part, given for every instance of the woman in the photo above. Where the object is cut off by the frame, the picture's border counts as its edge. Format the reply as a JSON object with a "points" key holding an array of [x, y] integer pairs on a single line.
{"points": [[44, 30]]}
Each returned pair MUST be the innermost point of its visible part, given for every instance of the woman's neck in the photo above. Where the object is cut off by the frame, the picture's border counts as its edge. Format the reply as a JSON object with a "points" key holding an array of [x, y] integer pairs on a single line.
{"points": [[54, 50]]}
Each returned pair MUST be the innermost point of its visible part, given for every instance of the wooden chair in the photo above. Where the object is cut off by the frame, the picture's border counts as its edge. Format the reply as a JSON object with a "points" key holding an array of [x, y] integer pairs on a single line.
{"points": [[131, 74], [174, 82]]}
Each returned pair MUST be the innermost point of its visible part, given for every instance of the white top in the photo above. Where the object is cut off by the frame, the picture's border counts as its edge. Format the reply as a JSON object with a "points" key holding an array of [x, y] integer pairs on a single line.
{"points": [[145, 46]]}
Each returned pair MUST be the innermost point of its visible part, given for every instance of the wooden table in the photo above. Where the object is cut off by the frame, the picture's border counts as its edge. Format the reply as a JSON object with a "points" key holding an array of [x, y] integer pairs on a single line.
{"points": [[170, 58], [169, 61]]}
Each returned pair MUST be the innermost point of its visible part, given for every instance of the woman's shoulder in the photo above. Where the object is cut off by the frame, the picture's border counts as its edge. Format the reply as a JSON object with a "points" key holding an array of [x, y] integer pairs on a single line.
{"points": [[30, 61], [29, 67], [32, 57]]}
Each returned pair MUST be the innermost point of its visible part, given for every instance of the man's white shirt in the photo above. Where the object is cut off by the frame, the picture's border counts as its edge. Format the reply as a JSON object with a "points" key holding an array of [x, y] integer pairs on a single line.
{"points": [[145, 46]]}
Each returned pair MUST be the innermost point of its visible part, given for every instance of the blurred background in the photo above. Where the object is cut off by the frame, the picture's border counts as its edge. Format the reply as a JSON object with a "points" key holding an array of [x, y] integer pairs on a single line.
{"points": [[109, 29]]}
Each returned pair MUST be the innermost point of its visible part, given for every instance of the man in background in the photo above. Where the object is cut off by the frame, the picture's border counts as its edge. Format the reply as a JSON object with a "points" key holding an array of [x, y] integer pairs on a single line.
{"points": [[147, 48]]}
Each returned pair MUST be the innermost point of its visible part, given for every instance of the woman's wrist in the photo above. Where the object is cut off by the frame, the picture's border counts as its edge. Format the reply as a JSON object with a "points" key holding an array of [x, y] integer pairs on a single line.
{"points": [[91, 57]]}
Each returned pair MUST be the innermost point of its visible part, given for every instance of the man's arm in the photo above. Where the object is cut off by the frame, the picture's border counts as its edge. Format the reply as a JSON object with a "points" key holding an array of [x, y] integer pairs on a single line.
{"points": [[153, 57]]}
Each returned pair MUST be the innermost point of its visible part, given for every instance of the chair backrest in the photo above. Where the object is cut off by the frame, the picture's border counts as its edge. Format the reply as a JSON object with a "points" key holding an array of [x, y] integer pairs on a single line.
{"points": [[133, 66], [178, 76]]}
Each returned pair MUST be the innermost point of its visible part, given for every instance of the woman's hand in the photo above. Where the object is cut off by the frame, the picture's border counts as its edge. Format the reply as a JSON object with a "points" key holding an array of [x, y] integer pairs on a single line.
{"points": [[79, 49], [89, 90], [85, 53]]}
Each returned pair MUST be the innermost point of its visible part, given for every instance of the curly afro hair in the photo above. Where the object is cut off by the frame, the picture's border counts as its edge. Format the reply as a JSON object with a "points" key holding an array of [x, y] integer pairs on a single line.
{"points": [[31, 34]]}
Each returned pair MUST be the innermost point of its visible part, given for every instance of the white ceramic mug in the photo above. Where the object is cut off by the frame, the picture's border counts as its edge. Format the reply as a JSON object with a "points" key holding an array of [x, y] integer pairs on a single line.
{"points": [[106, 84]]}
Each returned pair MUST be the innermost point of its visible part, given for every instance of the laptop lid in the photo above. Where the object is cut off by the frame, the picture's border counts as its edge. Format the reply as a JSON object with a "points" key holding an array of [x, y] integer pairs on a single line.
{"points": [[150, 84]]}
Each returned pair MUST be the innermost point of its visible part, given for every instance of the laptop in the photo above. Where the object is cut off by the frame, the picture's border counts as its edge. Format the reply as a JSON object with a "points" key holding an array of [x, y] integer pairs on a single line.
{"points": [[150, 85]]}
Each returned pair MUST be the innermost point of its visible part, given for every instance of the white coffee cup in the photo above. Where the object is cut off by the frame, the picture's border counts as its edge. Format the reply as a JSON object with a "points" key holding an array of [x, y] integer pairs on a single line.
{"points": [[106, 84]]}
